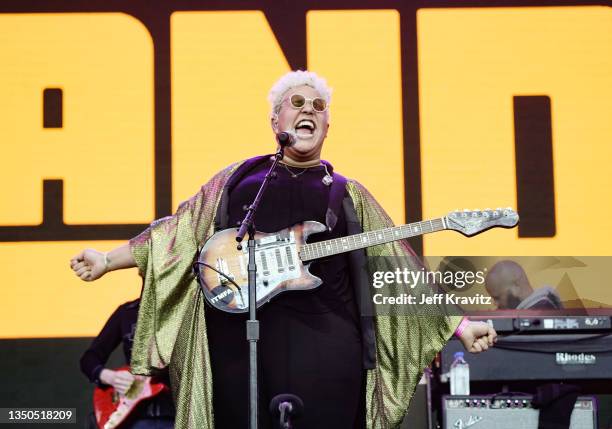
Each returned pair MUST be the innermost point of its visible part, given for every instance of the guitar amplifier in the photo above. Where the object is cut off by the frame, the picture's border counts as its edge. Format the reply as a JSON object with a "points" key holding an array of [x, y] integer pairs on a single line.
{"points": [[508, 412]]}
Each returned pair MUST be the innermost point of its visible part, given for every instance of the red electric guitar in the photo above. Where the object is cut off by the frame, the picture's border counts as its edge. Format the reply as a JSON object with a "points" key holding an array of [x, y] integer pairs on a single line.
{"points": [[112, 409]]}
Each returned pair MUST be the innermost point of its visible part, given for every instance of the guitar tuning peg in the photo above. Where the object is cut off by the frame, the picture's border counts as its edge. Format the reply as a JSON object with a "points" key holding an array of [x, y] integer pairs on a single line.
{"points": [[498, 208], [488, 209], [465, 210], [509, 208]]}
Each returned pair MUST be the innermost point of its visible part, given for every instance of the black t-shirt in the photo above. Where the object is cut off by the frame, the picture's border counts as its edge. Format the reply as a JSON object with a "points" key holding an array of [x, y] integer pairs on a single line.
{"points": [[310, 343], [119, 328]]}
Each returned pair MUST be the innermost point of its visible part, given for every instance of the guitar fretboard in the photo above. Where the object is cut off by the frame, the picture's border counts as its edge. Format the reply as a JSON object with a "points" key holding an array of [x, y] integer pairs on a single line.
{"points": [[335, 246]]}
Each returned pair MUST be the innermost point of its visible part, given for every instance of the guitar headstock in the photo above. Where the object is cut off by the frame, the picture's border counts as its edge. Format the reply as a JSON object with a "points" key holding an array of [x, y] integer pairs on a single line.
{"points": [[472, 222]]}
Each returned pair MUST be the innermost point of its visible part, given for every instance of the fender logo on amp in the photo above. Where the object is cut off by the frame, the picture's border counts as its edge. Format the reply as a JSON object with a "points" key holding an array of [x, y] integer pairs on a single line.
{"points": [[460, 424]]}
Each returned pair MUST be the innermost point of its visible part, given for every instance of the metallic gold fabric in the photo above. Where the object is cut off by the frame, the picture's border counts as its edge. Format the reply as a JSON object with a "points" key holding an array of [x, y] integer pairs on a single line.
{"points": [[171, 328], [171, 325], [405, 344]]}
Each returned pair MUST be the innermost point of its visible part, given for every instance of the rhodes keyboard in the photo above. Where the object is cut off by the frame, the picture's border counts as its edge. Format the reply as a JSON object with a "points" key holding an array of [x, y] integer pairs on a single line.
{"points": [[529, 349], [550, 324]]}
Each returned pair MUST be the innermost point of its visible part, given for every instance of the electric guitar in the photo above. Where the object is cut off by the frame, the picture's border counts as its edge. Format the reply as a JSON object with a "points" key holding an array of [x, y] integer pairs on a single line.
{"points": [[111, 408], [283, 257]]}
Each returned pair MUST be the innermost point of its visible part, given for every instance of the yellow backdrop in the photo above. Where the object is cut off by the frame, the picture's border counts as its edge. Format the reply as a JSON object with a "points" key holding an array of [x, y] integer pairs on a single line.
{"points": [[471, 63]]}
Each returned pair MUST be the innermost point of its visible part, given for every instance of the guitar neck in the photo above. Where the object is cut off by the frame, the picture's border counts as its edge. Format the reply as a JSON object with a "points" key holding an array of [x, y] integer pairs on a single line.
{"points": [[335, 246]]}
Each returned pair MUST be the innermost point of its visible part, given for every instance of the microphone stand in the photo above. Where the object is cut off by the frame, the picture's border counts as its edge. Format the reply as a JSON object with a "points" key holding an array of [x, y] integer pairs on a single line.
{"points": [[252, 325]]}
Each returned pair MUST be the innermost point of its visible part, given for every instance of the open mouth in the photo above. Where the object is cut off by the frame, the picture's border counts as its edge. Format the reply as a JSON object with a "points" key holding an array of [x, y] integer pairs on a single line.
{"points": [[305, 128]]}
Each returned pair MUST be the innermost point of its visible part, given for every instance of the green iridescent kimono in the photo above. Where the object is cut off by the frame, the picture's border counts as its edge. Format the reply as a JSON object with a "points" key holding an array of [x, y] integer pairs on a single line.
{"points": [[171, 330]]}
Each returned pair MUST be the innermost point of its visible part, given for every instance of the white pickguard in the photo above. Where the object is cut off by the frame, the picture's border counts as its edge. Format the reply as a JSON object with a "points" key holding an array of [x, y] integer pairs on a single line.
{"points": [[277, 260]]}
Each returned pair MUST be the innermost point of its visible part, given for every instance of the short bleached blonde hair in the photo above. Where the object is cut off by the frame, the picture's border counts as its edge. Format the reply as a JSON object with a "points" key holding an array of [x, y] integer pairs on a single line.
{"points": [[292, 80]]}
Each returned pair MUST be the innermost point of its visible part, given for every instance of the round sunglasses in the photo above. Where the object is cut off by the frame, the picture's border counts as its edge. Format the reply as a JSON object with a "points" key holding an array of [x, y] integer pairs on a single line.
{"points": [[298, 101]]}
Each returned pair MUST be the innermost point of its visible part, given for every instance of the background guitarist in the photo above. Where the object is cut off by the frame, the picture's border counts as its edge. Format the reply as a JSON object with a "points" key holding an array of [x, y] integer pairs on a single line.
{"points": [[157, 412]]}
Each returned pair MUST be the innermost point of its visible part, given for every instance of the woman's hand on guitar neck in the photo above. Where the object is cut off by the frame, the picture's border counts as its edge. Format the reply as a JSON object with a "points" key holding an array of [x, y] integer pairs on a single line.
{"points": [[90, 264], [119, 380]]}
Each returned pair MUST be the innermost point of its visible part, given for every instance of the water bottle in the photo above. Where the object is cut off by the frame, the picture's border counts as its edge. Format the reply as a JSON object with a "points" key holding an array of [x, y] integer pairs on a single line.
{"points": [[459, 376]]}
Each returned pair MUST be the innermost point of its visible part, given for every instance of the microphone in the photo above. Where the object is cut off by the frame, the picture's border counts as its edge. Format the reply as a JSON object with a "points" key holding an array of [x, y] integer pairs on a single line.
{"points": [[284, 407], [286, 138]]}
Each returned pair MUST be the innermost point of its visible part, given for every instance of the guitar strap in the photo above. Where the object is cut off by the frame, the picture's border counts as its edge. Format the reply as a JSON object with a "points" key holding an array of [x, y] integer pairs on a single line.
{"points": [[360, 280], [336, 196]]}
